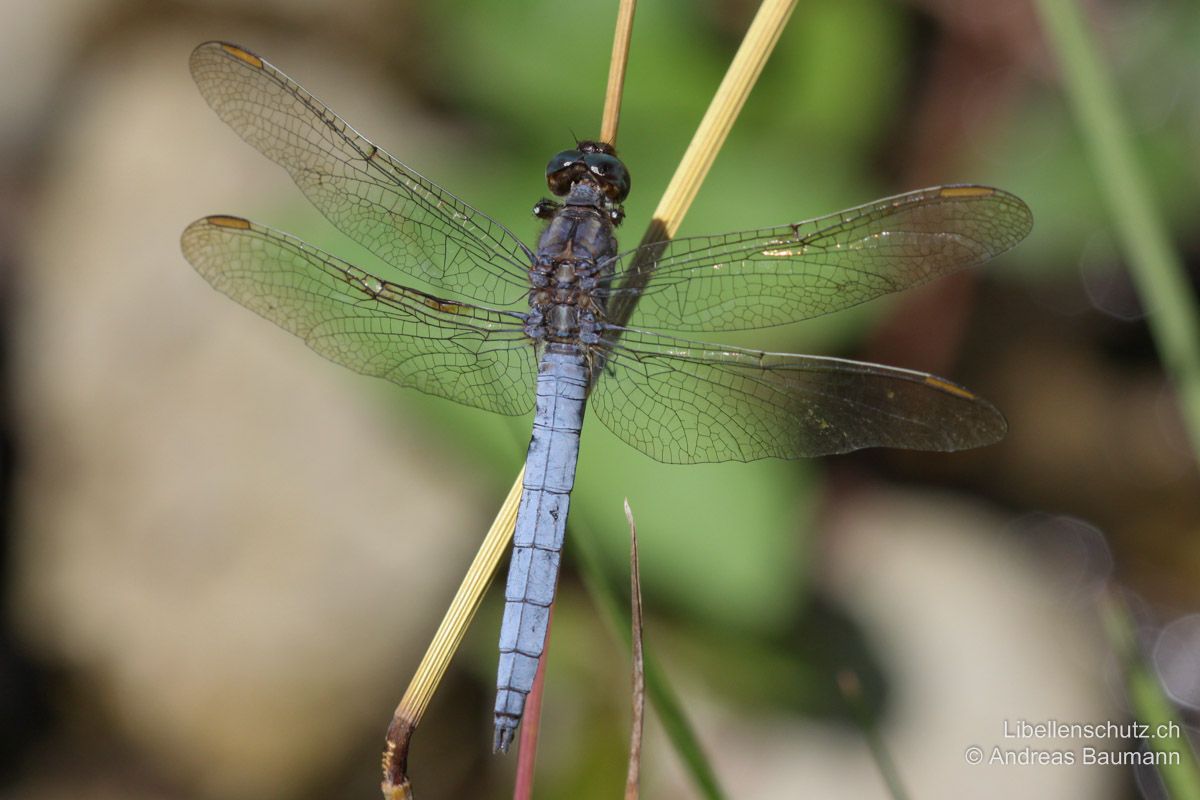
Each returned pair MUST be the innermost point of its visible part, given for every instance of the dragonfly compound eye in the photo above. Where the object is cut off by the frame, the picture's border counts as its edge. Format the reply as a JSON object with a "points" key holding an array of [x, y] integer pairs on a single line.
{"points": [[563, 170], [610, 173]]}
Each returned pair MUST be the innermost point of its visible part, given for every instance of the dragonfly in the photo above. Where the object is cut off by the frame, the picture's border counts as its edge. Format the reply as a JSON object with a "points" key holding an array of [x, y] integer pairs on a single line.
{"points": [[515, 329]]}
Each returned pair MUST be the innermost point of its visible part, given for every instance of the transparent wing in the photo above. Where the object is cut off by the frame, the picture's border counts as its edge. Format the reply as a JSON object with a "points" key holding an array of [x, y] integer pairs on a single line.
{"points": [[476, 356], [684, 402], [405, 219], [771, 276]]}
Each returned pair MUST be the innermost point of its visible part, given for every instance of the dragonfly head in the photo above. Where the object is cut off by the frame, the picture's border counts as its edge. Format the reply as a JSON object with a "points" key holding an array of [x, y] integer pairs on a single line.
{"points": [[593, 165]]}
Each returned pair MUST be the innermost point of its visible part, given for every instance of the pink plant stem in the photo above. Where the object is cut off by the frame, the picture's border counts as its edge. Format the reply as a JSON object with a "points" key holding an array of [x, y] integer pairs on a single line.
{"points": [[530, 724]]}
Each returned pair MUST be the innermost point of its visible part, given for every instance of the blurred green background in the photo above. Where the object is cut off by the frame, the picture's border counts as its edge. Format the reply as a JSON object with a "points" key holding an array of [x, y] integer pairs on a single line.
{"points": [[225, 556]]}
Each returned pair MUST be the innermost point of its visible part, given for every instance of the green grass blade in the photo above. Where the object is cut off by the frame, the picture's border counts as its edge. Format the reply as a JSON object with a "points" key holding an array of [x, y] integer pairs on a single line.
{"points": [[851, 688], [1179, 771], [658, 688], [1156, 268]]}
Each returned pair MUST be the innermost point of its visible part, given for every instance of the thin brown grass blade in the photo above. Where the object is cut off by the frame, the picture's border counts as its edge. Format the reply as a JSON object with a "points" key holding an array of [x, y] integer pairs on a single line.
{"points": [[633, 777]]}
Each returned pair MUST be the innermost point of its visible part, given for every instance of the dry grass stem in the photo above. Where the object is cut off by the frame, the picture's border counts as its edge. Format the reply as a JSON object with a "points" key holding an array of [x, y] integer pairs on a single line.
{"points": [[616, 72], [731, 95], [446, 642], [726, 104]]}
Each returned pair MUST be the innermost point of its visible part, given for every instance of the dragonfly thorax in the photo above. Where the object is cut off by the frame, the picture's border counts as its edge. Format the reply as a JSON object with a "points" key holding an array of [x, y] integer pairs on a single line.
{"points": [[571, 265]]}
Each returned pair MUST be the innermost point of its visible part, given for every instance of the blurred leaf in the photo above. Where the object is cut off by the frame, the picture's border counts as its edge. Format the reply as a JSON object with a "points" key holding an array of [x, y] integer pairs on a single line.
{"points": [[825, 86], [544, 95], [728, 539], [790, 672]]}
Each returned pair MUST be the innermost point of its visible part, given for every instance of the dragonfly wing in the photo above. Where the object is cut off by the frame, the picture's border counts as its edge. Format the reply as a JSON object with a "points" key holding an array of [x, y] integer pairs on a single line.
{"points": [[476, 356], [407, 220], [772, 276], [684, 402]]}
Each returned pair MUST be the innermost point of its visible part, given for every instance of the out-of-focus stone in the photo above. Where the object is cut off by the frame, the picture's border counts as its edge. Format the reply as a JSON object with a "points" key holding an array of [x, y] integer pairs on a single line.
{"points": [[970, 631], [974, 632], [240, 546]]}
